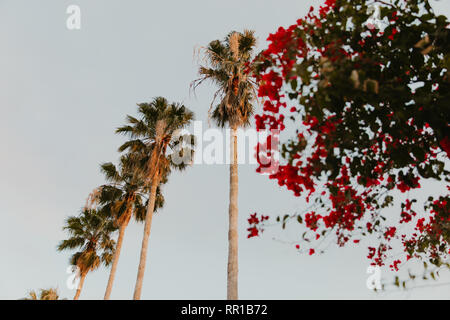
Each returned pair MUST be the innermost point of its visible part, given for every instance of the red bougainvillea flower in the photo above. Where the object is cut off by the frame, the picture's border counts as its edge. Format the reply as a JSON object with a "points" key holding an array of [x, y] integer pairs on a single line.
{"points": [[362, 135], [445, 144]]}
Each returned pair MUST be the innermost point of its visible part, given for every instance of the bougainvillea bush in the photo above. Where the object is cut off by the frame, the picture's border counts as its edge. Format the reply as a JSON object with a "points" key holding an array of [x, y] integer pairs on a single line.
{"points": [[369, 103]]}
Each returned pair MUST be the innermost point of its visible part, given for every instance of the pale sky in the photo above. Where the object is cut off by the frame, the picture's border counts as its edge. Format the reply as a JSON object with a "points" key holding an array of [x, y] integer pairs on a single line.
{"points": [[64, 93]]}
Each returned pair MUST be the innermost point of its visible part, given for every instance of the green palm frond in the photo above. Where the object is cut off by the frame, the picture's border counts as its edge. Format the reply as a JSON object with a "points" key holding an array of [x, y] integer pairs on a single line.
{"points": [[44, 294], [110, 172], [153, 132], [226, 64], [90, 233], [132, 145], [122, 199], [71, 243]]}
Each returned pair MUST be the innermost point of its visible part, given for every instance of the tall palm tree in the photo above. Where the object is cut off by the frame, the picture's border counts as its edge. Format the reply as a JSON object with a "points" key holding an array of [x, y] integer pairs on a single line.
{"points": [[90, 232], [44, 294], [123, 197], [155, 137], [226, 66]]}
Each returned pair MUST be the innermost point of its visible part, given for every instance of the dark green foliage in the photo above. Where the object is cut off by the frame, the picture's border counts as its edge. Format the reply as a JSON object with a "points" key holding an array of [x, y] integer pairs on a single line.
{"points": [[90, 233]]}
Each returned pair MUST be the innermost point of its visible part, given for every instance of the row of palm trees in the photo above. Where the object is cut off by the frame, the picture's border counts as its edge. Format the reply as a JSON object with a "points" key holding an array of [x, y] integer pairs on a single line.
{"points": [[133, 188]]}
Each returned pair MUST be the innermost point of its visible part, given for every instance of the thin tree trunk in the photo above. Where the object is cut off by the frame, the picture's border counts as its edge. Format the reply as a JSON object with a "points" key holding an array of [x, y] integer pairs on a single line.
{"points": [[80, 286], [115, 262], [148, 225], [232, 283]]}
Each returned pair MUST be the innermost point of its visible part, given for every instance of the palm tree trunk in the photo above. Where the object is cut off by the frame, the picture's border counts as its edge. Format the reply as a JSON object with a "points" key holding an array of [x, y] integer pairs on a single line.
{"points": [[147, 227], [80, 286], [115, 262], [232, 283]]}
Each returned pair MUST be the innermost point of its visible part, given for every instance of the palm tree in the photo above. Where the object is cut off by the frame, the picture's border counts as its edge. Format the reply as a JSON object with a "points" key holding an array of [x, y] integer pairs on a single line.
{"points": [[90, 232], [153, 137], [44, 294], [226, 66], [123, 198]]}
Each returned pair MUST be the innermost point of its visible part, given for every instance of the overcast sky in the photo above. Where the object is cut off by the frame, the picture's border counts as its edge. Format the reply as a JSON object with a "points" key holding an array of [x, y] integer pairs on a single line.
{"points": [[64, 93]]}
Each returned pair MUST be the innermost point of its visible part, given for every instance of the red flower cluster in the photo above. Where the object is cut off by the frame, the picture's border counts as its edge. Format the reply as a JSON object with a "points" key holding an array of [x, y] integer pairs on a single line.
{"points": [[255, 225], [311, 220], [430, 237], [322, 69], [394, 265], [445, 144]]}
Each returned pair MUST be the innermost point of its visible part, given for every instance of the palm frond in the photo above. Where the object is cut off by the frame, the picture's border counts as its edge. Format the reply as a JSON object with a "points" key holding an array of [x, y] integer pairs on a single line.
{"points": [[226, 64], [90, 233]]}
